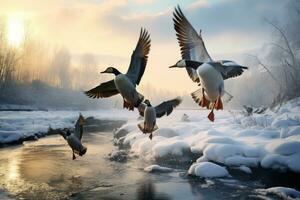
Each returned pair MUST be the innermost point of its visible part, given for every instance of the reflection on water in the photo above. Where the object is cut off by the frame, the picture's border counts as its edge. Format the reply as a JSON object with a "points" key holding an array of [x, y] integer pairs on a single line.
{"points": [[147, 191], [12, 169], [27, 171], [45, 170]]}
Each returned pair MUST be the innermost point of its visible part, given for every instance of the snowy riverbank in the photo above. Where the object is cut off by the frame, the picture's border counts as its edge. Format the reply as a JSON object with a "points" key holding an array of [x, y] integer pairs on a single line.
{"points": [[16, 126], [232, 142], [270, 140]]}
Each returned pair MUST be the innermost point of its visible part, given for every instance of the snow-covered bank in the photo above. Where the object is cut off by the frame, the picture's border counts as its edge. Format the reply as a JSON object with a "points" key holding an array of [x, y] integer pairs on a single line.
{"points": [[270, 140], [18, 125]]}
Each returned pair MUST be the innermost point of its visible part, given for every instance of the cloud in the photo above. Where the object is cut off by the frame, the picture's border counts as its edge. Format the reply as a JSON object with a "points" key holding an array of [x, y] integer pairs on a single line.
{"points": [[144, 1]]}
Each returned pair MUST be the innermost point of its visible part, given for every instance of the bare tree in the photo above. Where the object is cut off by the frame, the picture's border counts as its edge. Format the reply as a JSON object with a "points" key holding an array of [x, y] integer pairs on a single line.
{"points": [[283, 58], [8, 59], [61, 65]]}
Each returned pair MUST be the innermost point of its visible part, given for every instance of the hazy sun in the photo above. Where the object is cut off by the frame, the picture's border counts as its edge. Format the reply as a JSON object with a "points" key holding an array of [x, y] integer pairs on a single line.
{"points": [[15, 30]]}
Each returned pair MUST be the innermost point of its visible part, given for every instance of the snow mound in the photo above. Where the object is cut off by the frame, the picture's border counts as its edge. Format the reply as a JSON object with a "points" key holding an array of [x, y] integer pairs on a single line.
{"points": [[284, 147], [282, 192], [157, 168], [208, 170], [175, 147], [269, 140]]}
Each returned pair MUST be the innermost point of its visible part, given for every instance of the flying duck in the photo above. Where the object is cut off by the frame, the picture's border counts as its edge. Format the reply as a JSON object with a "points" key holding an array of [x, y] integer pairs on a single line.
{"points": [[150, 114], [208, 74], [74, 139], [125, 83]]}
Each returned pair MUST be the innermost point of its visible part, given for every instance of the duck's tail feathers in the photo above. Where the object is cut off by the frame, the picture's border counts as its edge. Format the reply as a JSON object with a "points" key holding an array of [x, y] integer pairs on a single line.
{"points": [[200, 99], [141, 127], [144, 129], [83, 151]]}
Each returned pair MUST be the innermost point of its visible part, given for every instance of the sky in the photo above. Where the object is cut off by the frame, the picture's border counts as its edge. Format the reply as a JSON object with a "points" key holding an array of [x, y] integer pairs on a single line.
{"points": [[109, 29]]}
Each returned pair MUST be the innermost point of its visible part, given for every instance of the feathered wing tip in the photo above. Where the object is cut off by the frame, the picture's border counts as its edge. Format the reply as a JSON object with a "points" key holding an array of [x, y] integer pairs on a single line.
{"points": [[171, 104], [166, 107], [177, 101], [106, 89], [139, 57], [144, 42], [181, 24]]}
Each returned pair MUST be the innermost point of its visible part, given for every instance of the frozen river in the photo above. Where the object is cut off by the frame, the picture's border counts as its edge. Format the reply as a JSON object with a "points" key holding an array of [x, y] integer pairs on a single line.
{"points": [[44, 170]]}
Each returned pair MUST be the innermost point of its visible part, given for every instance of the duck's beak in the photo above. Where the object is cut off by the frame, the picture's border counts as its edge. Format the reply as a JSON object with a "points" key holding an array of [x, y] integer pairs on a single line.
{"points": [[173, 66], [103, 72]]}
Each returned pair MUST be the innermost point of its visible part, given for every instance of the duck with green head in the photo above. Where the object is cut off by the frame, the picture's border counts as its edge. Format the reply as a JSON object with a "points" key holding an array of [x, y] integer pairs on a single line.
{"points": [[125, 84]]}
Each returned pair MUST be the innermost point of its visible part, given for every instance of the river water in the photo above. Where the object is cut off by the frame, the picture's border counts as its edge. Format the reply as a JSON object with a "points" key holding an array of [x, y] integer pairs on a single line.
{"points": [[44, 169]]}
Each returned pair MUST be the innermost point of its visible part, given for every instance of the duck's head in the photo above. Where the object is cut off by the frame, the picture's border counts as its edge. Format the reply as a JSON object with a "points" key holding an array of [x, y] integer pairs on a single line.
{"points": [[187, 63], [147, 102], [111, 70], [179, 64]]}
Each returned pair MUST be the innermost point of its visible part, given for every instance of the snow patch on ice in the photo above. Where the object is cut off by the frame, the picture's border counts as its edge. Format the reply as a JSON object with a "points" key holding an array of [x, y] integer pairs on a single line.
{"points": [[282, 192], [208, 170], [244, 169], [158, 168]]}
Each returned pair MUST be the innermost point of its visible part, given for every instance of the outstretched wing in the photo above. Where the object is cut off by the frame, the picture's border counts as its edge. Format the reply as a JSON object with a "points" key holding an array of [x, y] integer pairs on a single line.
{"points": [[229, 69], [191, 44], [166, 107], [106, 89], [139, 57], [78, 131]]}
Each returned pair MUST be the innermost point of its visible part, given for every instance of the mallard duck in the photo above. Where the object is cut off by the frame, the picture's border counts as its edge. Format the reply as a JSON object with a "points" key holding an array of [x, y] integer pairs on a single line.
{"points": [[150, 114], [208, 74], [74, 138], [125, 84]]}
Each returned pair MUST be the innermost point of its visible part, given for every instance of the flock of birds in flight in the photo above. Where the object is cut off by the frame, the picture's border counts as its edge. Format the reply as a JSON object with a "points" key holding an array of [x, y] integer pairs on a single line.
{"points": [[207, 73]]}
